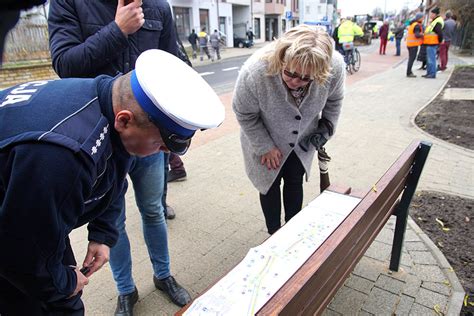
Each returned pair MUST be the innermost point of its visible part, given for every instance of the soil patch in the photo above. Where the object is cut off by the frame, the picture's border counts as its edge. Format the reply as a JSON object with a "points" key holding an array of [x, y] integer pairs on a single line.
{"points": [[451, 120], [446, 219]]}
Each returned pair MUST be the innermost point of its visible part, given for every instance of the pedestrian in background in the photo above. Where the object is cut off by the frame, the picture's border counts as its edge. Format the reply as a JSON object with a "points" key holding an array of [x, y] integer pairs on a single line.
{"points": [[203, 40], [192, 39], [448, 34], [65, 178], [432, 38], [107, 39], [250, 37], [414, 40], [383, 37], [215, 41], [399, 31], [177, 171], [287, 100]]}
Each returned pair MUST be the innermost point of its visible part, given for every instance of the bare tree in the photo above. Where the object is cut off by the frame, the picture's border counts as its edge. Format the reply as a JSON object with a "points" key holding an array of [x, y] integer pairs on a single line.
{"points": [[377, 13]]}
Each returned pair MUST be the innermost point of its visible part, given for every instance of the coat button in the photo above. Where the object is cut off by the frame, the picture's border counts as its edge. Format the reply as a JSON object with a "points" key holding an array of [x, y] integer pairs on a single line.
{"points": [[127, 65], [298, 117], [292, 145], [295, 132]]}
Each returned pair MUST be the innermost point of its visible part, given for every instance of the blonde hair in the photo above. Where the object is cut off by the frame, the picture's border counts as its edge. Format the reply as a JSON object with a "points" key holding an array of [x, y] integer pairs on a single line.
{"points": [[304, 46]]}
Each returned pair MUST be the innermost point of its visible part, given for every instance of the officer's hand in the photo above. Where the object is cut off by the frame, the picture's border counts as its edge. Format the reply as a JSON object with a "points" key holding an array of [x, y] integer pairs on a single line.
{"points": [[272, 159], [82, 281], [97, 255], [130, 17]]}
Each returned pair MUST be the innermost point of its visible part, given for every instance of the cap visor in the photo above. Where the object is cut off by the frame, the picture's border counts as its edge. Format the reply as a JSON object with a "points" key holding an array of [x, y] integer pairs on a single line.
{"points": [[175, 143]]}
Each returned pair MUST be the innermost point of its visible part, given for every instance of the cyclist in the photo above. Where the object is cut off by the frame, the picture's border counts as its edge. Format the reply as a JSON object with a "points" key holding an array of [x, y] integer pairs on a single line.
{"points": [[346, 32]]}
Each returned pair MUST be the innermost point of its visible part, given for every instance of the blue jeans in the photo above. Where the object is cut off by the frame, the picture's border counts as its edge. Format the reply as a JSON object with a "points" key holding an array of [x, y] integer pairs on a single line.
{"points": [[431, 60], [147, 176], [398, 41]]}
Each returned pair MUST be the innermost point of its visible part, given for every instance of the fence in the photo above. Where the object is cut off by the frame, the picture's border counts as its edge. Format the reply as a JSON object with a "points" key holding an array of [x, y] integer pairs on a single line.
{"points": [[464, 37], [27, 41]]}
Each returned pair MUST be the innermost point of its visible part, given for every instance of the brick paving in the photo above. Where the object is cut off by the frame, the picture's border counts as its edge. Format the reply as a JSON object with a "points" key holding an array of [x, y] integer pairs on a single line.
{"points": [[219, 217]]}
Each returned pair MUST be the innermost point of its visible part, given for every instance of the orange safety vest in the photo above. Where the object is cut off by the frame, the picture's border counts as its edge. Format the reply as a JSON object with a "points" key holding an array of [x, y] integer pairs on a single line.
{"points": [[431, 38], [412, 40]]}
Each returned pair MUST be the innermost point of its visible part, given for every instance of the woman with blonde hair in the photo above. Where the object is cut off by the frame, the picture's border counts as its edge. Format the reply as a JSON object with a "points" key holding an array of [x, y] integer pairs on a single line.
{"points": [[287, 101]]}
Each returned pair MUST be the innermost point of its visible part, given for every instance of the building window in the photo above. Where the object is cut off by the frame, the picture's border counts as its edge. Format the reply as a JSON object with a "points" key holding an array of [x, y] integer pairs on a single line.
{"points": [[308, 10], [322, 1], [182, 20], [204, 20], [283, 26], [256, 26], [268, 1]]}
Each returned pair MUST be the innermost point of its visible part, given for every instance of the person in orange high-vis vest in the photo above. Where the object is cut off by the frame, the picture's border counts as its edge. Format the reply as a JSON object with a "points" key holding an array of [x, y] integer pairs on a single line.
{"points": [[432, 38], [414, 40]]}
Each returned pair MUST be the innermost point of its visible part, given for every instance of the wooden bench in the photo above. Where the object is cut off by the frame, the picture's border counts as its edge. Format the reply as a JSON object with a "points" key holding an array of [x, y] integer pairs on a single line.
{"points": [[314, 284]]}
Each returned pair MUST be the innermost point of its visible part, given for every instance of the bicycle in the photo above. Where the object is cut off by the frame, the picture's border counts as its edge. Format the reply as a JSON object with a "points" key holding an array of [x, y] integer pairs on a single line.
{"points": [[351, 57]]}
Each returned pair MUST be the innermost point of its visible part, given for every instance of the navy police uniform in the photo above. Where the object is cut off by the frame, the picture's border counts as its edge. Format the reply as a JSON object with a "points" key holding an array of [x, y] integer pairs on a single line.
{"points": [[61, 166]]}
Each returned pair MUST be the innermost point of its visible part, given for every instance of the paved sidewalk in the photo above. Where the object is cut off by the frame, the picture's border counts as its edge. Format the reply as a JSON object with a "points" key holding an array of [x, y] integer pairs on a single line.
{"points": [[219, 217]]}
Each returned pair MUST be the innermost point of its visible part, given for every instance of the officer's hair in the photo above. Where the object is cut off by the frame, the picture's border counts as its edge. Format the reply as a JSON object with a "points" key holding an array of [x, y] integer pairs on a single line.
{"points": [[304, 46], [128, 101]]}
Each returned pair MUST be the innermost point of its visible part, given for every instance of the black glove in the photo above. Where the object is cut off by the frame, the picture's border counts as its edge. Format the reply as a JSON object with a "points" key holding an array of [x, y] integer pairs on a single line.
{"points": [[317, 140], [320, 137]]}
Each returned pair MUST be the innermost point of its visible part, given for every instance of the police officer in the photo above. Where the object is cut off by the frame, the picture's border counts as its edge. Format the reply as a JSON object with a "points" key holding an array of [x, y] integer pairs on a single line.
{"points": [[65, 148]]}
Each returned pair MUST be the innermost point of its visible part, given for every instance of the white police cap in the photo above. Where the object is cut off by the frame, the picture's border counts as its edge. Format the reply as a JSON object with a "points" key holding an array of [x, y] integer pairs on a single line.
{"points": [[176, 98]]}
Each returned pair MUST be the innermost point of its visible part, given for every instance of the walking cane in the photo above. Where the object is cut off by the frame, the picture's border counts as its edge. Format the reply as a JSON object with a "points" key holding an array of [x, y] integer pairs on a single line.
{"points": [[324, 160]]}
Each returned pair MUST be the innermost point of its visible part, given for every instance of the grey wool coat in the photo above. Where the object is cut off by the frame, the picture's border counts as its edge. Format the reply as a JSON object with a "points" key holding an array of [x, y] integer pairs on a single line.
{"points": [[268, 115]]}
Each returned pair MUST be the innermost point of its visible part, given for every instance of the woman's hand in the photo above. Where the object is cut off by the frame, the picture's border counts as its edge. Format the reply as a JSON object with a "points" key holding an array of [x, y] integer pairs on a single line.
{"points": [[272, 159]]}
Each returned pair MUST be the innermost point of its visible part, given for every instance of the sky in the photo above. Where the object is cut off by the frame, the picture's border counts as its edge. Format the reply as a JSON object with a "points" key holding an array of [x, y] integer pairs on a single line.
{"points": [[352, 7]]}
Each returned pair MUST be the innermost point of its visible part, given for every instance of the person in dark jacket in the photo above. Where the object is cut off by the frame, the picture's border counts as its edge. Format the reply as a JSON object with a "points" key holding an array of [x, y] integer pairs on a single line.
{"points": [[398, 37], [65, 148], [106, 37], [448, 34], [192, 39]]}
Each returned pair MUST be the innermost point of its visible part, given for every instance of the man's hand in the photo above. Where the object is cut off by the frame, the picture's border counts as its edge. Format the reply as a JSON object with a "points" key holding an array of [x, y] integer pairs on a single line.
{"points": [[272, 159], [130, 17], [97, 255], [82, 281]]}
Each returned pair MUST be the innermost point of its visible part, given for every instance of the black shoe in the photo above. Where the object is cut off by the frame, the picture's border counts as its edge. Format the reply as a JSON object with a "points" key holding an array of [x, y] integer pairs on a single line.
{"points": [[175, 292], [125, 304], [170, 214], [411, 75], [176, 175]]}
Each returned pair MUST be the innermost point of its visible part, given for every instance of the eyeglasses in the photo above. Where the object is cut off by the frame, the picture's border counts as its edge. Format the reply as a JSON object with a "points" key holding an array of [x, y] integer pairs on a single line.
{"points": [[294, 75]]}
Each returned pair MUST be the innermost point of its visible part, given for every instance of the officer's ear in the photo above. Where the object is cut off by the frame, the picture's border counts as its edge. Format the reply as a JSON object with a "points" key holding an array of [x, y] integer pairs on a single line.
{"points": [[123, 119]]}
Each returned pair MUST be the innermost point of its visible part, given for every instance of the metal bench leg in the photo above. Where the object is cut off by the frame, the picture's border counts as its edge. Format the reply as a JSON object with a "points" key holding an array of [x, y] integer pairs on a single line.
{"points": [[402, 209]]}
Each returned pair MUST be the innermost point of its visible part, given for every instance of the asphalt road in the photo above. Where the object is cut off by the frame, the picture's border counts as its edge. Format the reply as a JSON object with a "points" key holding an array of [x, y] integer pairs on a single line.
{"points": [[221, 75]]}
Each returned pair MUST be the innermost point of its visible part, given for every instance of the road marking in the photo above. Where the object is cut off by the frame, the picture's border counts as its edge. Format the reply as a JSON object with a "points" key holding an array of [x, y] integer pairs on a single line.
{"points": [[206, 73], [229, 69]]}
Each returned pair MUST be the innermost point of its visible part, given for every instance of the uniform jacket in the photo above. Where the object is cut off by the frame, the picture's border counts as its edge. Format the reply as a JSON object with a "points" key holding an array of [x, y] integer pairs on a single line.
{"points": [[269, 118], [85, 41], [61, 166]]}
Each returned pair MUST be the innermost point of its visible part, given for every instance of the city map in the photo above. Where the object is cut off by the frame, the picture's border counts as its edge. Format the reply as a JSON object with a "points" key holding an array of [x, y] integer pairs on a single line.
{"points": [[266, 268]]}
